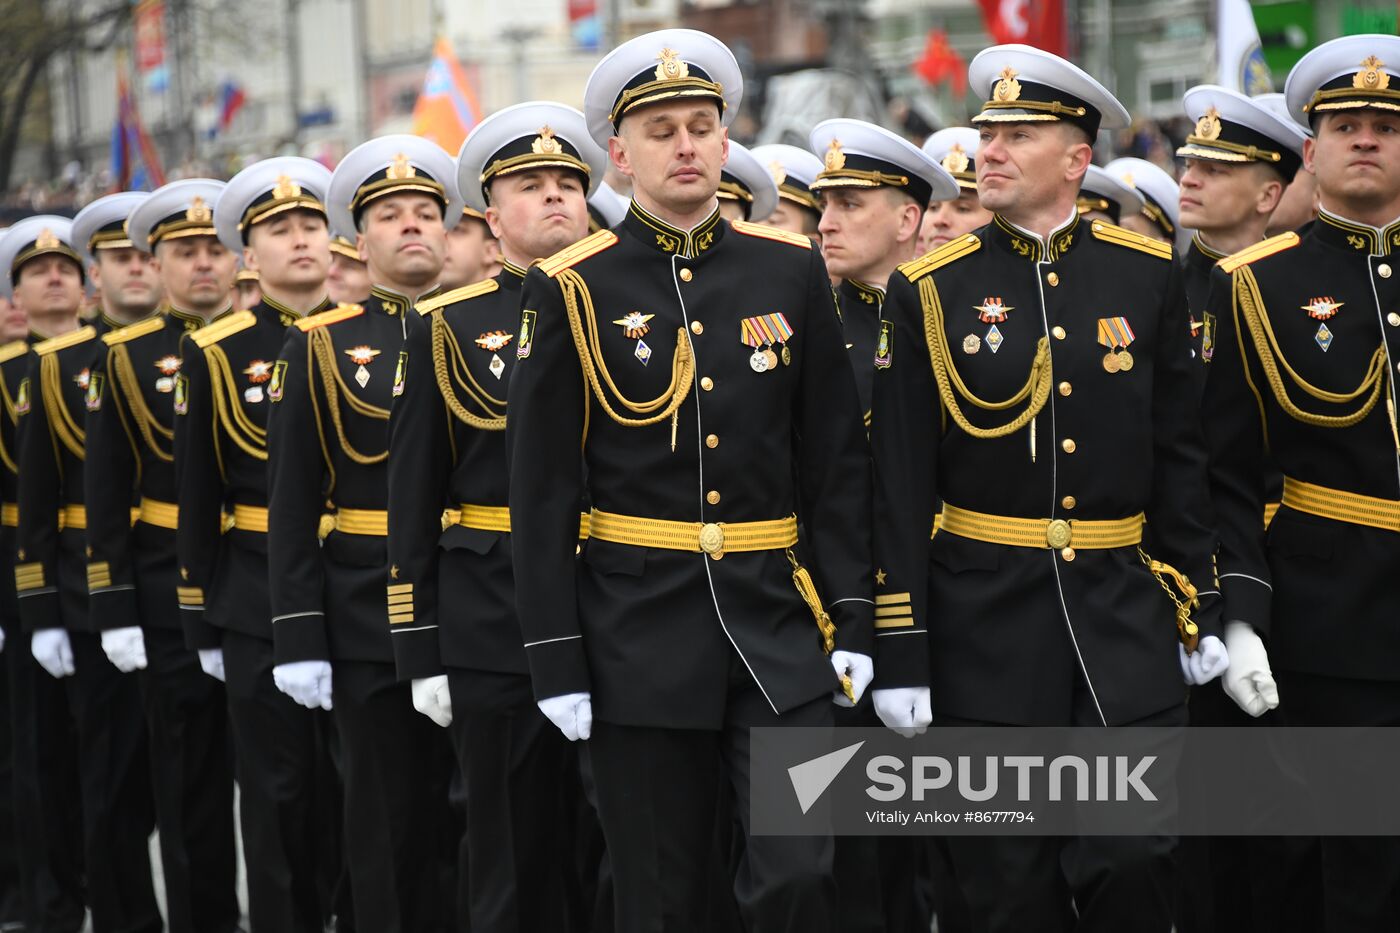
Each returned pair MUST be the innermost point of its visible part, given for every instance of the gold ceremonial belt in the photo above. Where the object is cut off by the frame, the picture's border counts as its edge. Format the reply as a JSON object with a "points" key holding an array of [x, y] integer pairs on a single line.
{"points": [[72, 516], [9, 514], [1340, 506], [250, 518], [371, 522], [160, 514], [494, 518], [1042, 532], [713, 538], [1270, 510]]}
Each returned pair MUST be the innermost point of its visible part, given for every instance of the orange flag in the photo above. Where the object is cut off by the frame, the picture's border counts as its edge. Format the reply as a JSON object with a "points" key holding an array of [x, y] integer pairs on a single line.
{"points": [[448, 108]]}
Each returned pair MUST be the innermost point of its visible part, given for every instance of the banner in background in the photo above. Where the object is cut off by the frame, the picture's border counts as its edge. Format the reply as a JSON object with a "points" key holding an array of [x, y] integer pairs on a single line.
{"points": [[449, 107], [148, 38]]}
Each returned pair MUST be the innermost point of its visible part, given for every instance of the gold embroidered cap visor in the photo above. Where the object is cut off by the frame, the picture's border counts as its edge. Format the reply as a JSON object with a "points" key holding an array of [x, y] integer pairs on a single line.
{"points": [[1230, 127], [745, 180], [1027, 85], [387, 165], [32, 237], [102, 224], [183, 208], [667, 65], [955, 148], [856, 154], [535, 134], [268, 189], [1349, 73]]}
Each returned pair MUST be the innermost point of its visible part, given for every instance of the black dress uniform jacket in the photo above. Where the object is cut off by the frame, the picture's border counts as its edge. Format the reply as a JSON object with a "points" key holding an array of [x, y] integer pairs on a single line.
{"points": [[328, 439], [221, 450], [130, 402], [859, 306], [50, 568], [650, 632], [1003, 633], [452, 593], [14, 364], [1322, 592]]}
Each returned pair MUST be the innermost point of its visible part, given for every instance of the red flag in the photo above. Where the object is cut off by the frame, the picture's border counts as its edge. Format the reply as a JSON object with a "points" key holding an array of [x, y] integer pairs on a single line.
{"points": [[1040, 23], [941, 62]]}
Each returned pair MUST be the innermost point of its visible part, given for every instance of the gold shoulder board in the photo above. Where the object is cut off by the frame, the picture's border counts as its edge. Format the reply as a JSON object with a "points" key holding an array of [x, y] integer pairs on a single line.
{"points": [[951, 251], [1273, 244], [13, 350], [1111, 233], [211, 334], [771, 233], [573, 255], [428, 305], [331, 316], [81, 335], [140, 329]]}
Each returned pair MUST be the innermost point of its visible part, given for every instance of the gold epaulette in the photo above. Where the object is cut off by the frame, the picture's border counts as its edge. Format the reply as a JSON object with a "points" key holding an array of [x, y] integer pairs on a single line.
{"points": [[1110, 233], [334, 315], [951, 251], [211, 334], [13, 350], [130, 332], [1259, 250], [428, 305], [771, 233], [571, 256], [54, 344]]}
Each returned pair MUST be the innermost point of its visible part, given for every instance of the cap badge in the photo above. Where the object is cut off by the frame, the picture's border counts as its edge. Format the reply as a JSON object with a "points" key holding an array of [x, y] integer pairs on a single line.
{"points": [[46, 240], [198, 212], [775, 168], [1127, 179], [671, 67], [400, 168], [545, 143], [286, 189], [1371, 77], [1007, 88], [956, 160], [1208, 126], [835, 159]]}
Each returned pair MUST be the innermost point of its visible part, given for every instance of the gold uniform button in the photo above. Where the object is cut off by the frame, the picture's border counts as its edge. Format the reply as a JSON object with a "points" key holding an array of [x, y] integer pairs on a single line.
{"points": [[1066, 388], [707, 383], [1067, 445], [1052, 279], [1067, 553], [1059, 332], [712, 497], [1393, 319], [1383, 270], [712, 441], [697, 328], [1069, 502], [686, 275]]}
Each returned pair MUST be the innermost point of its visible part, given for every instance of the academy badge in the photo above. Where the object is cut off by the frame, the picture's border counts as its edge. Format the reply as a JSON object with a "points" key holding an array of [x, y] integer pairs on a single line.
{"points": [[401, 370], [492, 342], [526, 343], [279, 375], [884, 347], [94, 392], [168, 366], [362, 356], [1115, 334], [182, 394]]}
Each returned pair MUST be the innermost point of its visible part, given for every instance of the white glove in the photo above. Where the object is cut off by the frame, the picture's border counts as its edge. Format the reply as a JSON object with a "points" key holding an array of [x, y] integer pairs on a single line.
{"points": [[307, 682], [1249, 681], [432, 698], [1206, 663], [859, 668], [572, 713], [125, 648], [54, 652], [906, 710], [212, 660]]}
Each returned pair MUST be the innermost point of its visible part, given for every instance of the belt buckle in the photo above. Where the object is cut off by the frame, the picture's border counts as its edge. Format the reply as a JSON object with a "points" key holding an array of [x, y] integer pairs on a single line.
{"points": [[1058, 534], [712, 540]]}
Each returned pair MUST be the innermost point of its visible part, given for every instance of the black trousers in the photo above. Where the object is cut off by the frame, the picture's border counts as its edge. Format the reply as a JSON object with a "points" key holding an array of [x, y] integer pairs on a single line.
{"points": [[192, 777], [48, 828], [658, 792], [114, 785], [1084, 883], [519, 772], [282, 761], [397, 764], [1360, 875]]}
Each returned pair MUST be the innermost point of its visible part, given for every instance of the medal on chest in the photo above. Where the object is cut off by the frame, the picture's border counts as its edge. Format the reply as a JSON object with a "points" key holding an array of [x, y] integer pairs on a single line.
{"points": [[1115, 333], [258, 372], [168, 366], [991, 311], [362, 356], [634, 327], [762, 333], [1322, 310], [493, 343]]}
